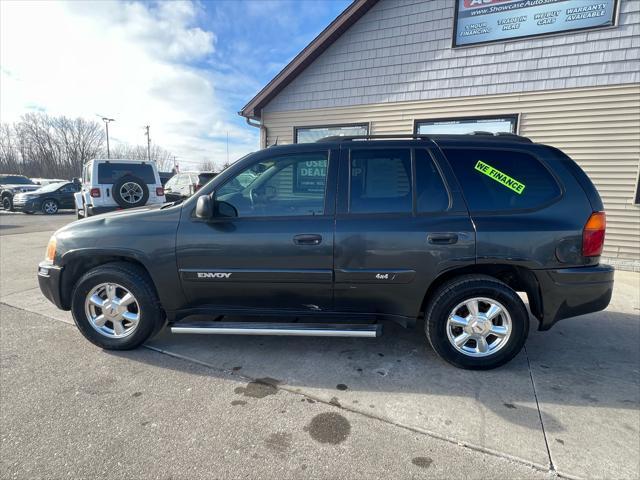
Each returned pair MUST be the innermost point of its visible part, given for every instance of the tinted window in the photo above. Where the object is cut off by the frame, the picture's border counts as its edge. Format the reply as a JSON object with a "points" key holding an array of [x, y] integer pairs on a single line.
{"points": [[15, 180], [380, 181], [280, 186], [109, 173], [494, 180], [431, 194]]}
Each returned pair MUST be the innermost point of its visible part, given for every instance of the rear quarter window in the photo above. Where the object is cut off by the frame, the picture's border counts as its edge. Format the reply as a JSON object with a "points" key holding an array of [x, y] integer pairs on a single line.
{"points": [[496, 180], [109, 173]]}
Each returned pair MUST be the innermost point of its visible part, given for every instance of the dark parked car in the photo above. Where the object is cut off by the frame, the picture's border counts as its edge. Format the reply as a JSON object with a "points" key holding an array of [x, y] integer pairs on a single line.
{"points": [[438, 232], [183, 185], [48, 199], [11, 185]]}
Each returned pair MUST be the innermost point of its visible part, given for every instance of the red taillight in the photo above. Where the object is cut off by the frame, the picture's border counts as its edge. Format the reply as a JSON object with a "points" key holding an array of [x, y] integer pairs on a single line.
{"points": [[95, 192], [197, 187], [159, 191], [593, 235]]}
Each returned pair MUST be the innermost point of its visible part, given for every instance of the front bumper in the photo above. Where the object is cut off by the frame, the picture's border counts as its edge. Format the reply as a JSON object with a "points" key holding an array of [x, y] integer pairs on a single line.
{"points": [[49, 277], [569, 292], [26, 205]]}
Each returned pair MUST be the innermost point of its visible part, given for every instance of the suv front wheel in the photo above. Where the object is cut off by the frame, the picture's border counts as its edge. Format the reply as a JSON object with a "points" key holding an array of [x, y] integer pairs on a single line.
{"points": [[476, 322], [115, 306]]}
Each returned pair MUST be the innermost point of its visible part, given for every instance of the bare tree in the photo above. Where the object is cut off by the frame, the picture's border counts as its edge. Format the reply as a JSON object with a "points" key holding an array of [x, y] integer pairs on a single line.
{"points": [[207, 166], [39, 145], [162, 157]]}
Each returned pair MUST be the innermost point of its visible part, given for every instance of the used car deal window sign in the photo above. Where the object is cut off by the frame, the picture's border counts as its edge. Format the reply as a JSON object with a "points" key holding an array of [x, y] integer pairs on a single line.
{"points": [[482, 21]]}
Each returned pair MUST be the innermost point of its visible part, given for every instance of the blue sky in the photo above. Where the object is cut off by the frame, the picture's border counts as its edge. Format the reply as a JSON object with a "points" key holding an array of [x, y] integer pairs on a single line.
{"points": [[183, 67]]}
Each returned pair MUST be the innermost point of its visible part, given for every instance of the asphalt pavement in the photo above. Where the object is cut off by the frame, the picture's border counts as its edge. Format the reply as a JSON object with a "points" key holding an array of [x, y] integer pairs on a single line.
{"points": [[276, 407]]}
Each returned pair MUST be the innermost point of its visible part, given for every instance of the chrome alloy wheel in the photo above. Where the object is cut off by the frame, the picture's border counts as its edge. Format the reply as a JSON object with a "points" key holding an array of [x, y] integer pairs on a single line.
{"points": [[50, 207], [131, 192], [112, 310], [479, 327]]}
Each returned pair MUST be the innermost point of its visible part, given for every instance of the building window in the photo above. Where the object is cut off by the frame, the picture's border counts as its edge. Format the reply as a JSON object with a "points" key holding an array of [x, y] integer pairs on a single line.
{"points": [[503, 123], [313, 134]]}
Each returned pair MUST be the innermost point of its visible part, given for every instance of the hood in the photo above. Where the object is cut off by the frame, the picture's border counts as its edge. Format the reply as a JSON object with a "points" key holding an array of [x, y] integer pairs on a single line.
{"points": [[16, 188], [130, 230], [127, 215]]}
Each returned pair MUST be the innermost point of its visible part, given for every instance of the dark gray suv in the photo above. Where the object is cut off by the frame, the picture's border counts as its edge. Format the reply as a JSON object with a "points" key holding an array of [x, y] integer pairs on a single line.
{"points": [[330, 238]]}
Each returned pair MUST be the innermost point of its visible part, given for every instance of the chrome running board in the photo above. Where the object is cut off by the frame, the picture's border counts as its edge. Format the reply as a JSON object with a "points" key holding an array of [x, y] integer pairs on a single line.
{"points": [[291, 329]]}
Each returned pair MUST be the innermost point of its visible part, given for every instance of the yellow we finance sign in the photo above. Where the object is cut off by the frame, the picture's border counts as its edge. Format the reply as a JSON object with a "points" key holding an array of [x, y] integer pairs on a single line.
{"points": [[500, 177]]}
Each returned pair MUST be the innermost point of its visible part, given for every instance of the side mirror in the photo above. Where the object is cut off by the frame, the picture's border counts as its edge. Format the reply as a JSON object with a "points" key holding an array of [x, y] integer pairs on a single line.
{"points": [[204, 207]]}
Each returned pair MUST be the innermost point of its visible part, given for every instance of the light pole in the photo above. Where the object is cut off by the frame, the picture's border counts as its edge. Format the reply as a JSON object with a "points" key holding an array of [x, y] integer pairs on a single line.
{"points": [[148, 142], [106, 126]]}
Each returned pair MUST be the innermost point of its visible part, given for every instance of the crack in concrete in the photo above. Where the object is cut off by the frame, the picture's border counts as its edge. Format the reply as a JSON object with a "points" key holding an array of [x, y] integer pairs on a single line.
{"points": [[487, 451], [552, 468]]}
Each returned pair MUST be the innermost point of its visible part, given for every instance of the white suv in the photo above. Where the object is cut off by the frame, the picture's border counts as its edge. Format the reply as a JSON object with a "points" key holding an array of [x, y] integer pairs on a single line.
{"points": [[109, 185]]}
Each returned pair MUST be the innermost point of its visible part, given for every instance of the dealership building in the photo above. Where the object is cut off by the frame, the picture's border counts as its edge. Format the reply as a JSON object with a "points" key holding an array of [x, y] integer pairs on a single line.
{"points": [[561, 72]]}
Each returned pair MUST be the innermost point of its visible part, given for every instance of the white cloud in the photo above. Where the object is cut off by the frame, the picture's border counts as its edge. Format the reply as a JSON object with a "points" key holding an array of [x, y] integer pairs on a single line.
{"points": [[135, 62]]}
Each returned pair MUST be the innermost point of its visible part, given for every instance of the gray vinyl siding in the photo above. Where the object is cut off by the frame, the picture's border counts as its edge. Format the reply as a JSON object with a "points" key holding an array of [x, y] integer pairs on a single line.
{"points": [[401, 51]]}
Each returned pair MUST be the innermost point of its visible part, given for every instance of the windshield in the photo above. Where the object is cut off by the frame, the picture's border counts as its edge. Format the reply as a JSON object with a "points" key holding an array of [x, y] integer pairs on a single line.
{"points": [[52, 187], [15, 180]]}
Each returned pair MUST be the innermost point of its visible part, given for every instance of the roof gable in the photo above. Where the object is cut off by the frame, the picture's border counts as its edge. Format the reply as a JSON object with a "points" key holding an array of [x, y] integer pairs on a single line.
{"points": [[301, 61]]}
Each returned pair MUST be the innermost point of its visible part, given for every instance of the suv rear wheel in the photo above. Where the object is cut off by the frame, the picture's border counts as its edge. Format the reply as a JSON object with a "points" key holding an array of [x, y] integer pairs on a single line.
{"points": [[115, 306], [476, 322]]}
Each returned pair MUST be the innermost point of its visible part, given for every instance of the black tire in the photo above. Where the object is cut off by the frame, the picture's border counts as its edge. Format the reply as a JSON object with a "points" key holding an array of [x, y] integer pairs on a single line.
{"points": [[137, 281], [7, 203], [51, 205], [28, 213], [132, 181], [454, 292]]}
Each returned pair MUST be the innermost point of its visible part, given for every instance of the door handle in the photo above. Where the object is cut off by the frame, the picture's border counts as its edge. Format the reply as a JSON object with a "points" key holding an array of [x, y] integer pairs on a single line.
{"points": [[442, 238], [307, 239]]}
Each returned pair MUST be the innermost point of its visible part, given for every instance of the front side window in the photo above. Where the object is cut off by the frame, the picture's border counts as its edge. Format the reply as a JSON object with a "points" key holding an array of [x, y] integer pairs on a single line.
{"points": [[313, 134], [69, 188], [289, 185], [445, 126], [109, 173], [499, 180], [380, 181]]}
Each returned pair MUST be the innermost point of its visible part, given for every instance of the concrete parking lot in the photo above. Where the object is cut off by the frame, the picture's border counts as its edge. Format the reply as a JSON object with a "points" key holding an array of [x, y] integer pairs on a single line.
{"points": [[262, 407]]}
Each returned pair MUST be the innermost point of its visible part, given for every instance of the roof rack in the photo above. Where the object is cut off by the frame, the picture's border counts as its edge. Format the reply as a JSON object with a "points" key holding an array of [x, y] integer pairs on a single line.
{"points": [[419, 136], [390, 136]]}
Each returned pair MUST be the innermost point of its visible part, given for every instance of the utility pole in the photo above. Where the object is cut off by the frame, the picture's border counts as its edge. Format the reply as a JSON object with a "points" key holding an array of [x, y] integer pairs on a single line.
{"points": [[106, 126], [148, 142]]}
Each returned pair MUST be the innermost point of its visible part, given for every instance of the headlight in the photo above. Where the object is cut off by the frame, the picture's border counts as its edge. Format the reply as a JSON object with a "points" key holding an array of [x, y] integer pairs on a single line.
{"points": [[51, 249]]}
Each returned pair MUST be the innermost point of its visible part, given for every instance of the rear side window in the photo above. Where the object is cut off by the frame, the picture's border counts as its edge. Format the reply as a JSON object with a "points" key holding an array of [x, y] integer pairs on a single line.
{"points": [[380, 181], [109, 173], [498, 180], [431, 194]]}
